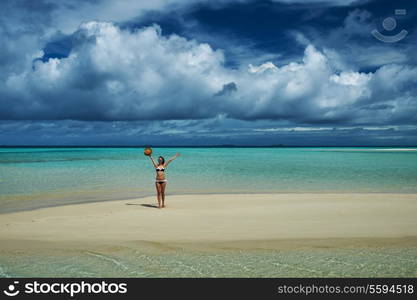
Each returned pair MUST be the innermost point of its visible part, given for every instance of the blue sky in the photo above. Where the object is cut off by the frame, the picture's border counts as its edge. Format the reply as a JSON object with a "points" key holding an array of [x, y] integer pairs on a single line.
{"points": [[190, 72]]}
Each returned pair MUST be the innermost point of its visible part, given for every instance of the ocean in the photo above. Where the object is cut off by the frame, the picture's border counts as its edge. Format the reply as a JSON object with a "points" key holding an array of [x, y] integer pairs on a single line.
{"points": [[131, 262], [32, 178]]}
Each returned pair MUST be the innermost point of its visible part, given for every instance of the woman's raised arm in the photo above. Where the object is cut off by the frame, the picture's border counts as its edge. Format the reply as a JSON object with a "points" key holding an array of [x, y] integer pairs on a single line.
{"points": [[171, 159], [153, 162]]}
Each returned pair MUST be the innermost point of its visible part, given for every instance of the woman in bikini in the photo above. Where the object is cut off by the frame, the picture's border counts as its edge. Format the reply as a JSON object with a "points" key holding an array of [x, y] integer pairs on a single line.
{"points": [[160, 180]]}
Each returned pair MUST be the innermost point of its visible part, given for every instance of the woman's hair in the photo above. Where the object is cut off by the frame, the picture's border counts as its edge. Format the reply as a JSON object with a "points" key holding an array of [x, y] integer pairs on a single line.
{"points": [[163, 159]]}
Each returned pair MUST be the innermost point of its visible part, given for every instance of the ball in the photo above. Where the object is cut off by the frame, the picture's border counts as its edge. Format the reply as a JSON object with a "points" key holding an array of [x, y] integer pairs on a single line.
{"points": [[148, 151]]}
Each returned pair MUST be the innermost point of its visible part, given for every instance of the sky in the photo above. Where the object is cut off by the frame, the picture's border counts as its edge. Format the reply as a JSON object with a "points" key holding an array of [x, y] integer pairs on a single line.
{"points": [[200, 72]]}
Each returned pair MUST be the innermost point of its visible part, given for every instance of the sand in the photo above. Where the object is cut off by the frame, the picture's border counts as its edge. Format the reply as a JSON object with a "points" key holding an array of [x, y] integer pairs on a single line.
{"points": [[275, 220]]}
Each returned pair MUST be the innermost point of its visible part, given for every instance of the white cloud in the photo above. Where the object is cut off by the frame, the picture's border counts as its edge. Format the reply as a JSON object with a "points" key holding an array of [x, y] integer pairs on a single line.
{"points": [[118, 74], [262, 68]]}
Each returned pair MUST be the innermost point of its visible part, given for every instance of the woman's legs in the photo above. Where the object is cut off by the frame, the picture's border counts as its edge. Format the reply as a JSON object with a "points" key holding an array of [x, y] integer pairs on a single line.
{"points": [[163, 185], [158, 193]]}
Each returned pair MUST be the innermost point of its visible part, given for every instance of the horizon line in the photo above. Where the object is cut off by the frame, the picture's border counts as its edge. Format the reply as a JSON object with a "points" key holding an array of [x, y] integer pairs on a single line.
{"points": [[197, 146]]}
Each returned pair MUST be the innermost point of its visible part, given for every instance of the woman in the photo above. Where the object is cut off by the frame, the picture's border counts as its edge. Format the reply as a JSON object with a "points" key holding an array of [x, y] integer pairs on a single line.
{"points": [[160, 180]]}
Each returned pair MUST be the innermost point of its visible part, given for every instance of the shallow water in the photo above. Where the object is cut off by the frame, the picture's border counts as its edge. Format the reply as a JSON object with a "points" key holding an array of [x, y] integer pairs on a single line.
{"points": [[130, 262], [38, 177]]}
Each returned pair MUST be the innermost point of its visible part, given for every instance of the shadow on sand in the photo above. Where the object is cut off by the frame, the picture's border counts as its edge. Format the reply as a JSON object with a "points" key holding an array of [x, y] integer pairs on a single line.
{"points": [[144, 205]]}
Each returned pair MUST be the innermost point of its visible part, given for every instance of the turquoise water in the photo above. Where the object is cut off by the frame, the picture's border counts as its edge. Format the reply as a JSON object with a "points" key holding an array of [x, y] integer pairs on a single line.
{"points": [[38, 177], [131, 262]]}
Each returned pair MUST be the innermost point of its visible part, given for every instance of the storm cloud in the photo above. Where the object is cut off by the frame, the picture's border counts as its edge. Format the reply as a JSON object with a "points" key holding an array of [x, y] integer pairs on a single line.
{"points": [[119, 74], [71, 61]]}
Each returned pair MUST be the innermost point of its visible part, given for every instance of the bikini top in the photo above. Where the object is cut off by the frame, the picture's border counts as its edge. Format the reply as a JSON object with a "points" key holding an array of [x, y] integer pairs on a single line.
{"points": [[160, 169]]}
